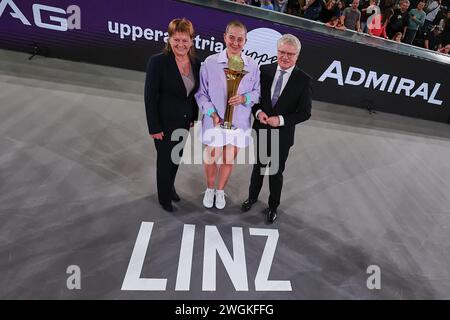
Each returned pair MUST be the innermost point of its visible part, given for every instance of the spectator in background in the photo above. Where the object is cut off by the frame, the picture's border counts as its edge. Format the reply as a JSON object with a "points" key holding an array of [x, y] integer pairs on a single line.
{"points": [[368, 9], [434, 39], [293, 7], [364, 4], [341, 7], [378, 23], [445, 21], [445, 50], [351, 17], [446, 30], [329, 10], [267, 4], [335, 23], [397, 37], [301, 4], [416, 20], [432, 11], [399, 20], [312, 9], [280, 5]]}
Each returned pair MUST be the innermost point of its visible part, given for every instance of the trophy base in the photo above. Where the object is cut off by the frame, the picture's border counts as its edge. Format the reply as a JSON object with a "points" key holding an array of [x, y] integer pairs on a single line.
{"points": [[227, 126]]}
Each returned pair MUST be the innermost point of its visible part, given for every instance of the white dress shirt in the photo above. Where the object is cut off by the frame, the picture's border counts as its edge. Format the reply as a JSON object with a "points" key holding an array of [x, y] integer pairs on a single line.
{"points": [[286, 77]]}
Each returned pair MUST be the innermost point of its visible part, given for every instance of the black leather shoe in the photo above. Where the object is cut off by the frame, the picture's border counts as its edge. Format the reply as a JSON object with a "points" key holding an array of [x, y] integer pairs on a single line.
{"points": [[168, 207], [247, 204], [175, 196], [271, 215]]}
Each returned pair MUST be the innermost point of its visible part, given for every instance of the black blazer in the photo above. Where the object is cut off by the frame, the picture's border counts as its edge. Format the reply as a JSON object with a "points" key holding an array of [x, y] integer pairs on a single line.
{"points": [[166, 105], [294, 103]]}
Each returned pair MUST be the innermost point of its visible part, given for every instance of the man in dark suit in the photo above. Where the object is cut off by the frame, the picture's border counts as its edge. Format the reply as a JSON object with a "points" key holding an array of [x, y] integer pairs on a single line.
{"points": [[285, 101]]}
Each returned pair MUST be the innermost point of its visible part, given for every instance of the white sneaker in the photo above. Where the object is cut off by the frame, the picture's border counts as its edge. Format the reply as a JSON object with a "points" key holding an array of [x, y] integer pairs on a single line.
{"points": [[220, 199], [208, 199]]}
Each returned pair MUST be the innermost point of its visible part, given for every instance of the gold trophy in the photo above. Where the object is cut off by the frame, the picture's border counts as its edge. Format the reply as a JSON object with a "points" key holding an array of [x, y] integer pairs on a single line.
{"points": [[234, 74]]}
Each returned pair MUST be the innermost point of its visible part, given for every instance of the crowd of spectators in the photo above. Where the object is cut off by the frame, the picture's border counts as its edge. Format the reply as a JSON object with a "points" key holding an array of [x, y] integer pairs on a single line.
{"points": [[423, 23]]}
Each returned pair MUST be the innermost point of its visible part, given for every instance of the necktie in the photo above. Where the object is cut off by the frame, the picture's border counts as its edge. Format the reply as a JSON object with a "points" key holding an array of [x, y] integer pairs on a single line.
{"points": [[277, 90]]}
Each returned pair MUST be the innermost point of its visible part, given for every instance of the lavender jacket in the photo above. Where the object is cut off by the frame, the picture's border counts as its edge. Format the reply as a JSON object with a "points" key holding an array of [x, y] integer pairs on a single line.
{"points": [[212, 92]]}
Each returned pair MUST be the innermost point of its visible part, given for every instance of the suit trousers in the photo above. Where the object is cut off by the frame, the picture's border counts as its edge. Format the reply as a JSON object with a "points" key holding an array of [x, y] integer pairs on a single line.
{"points": [[166, 167], [275, 178]]}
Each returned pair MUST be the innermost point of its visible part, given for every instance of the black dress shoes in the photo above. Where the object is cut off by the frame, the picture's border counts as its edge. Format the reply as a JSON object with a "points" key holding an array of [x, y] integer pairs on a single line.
{"points": [[271, 215], [247, 205], [168, 207], [174, 196]]}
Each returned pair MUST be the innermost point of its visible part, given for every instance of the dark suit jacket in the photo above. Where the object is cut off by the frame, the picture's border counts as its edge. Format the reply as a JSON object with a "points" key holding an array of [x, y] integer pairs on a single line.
{"points": [[166, 105], [294, 103]]}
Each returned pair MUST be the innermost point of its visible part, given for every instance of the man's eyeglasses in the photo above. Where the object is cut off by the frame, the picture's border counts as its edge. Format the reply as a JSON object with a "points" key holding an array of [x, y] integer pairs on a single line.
{"points": [[288, 54]]}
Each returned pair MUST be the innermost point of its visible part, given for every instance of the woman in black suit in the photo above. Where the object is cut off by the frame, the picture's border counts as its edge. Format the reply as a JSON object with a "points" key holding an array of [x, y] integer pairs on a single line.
{"points": [[171, 81]]}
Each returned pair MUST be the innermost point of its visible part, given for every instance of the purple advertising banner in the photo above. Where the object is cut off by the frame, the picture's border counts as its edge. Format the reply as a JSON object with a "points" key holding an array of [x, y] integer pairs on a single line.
{"points": [[126, 33]]}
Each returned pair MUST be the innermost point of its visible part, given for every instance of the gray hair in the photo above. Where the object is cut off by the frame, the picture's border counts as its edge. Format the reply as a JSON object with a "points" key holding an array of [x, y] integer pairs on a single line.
{"points": [[290, 39]]}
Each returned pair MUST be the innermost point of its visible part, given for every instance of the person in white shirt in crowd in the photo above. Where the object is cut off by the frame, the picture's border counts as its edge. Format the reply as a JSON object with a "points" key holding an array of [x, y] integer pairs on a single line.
{"points": [[431, 13]]}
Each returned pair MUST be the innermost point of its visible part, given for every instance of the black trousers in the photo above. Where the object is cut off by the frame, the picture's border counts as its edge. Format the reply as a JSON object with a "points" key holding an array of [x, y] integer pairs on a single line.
{"points": [[166, 167], [275, 178]]}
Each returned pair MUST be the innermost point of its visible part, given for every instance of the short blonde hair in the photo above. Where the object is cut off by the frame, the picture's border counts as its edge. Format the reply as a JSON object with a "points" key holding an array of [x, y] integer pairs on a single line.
{"points": [[237, 24], [182, 25]]}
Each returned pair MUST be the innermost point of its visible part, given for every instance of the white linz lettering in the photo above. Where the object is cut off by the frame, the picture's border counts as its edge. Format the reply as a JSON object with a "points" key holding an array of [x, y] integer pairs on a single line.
{"points": [[214, 246]]}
